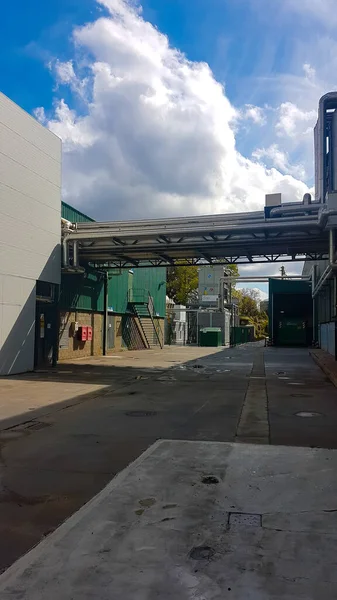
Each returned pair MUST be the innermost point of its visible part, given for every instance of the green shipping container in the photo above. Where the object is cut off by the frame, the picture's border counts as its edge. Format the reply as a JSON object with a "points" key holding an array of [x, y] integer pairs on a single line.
{"points": [[210, 336]]}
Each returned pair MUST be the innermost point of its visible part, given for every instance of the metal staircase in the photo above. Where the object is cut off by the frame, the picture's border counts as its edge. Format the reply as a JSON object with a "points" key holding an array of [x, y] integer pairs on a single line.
{"points": [[140, 303]]}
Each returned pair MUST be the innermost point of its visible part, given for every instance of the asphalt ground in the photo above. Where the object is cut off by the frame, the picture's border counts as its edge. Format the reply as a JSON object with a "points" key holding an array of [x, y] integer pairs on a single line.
{"points": [[57, 456]]}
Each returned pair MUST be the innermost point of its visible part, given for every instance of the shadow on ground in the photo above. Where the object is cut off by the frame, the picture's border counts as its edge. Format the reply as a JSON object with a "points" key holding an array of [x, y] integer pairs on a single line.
{"points": [[55, 459]]}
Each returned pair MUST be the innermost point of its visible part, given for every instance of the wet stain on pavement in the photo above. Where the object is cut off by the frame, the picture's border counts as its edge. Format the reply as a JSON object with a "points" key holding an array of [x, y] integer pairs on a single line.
{"points": [[147, 502], [202, 553]]}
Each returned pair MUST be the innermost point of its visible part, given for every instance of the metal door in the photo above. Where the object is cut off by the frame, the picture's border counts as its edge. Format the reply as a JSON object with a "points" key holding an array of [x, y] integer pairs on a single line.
{"points": [[45, 335]]}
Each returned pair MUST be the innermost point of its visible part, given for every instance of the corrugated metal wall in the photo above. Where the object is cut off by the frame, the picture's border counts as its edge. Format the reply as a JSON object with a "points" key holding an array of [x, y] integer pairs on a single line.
{"points": [[153, 280], [327, 333], [72, 214], [87, 292], [82, 292], [119, 285]]}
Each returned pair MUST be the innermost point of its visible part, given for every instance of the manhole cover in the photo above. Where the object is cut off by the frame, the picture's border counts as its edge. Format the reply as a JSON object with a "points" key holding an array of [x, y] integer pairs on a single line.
{"points": [[202, 553], [308, 414], [210, 480], [245, 519], [141, 413]]}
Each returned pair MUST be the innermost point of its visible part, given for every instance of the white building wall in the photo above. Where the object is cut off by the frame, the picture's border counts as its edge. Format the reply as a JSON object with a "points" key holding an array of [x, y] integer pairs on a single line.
{"points": [[30, 212]]}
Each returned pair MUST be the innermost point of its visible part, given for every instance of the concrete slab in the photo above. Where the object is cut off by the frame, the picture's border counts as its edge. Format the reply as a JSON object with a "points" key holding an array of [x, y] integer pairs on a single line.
{"points": [[164, 528]]}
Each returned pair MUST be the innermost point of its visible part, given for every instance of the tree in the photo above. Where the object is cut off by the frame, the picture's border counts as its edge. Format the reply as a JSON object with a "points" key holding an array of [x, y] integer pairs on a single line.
{"points": [[248, 302], [248, 307], [181, 282]]}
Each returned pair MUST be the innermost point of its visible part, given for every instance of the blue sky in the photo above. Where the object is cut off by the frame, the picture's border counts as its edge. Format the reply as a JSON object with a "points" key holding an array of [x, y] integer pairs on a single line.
{"points": [[237, 40], [171, 107]]}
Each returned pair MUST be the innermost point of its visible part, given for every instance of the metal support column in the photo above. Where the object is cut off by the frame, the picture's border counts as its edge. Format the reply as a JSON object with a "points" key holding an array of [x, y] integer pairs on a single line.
{"points": [[106, 314], [332, 246], [314, 308]]}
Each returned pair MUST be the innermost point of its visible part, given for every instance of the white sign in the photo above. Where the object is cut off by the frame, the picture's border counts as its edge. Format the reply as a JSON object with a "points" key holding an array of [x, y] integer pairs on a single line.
{"points": [[209, 298]]}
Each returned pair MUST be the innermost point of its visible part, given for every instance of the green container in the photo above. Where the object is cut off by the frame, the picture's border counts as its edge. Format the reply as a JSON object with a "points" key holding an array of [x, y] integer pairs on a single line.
{"points": [[243, 334], [292, 332], [210, 336]]}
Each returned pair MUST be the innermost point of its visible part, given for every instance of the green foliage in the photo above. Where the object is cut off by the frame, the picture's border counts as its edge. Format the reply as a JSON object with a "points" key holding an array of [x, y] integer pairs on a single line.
{"points": [[181, 282], [233, 270], [249, 309]]}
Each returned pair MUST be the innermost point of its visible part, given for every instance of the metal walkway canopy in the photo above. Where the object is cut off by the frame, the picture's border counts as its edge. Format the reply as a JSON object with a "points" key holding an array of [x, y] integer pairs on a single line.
{"points": [[289, 232]]}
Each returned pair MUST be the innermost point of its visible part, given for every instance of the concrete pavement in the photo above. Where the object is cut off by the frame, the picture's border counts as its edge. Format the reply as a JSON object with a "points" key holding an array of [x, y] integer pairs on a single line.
{"points": [[57, 458], [35, 394], [196, 520]]}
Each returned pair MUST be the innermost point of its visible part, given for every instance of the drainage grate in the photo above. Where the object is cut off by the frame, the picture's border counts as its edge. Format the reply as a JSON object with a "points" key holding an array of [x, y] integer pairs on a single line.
{"points": [[308, 414], [210, 480], [244, 520], [38, 425], [141, 413], [202, 553], [301, 395]]}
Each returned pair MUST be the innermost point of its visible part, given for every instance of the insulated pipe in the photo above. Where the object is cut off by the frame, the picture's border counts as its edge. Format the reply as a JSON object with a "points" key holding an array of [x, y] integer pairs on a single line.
{"points": [[65, 255], [324, 215], [230, 228], [75, 255], [323, 278], [262, 278], [67, 225], [197, 220], [300, 208]]}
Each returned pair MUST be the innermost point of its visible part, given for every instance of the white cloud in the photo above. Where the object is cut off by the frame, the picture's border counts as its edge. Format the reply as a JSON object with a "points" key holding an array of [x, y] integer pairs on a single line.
{"points": [[309, 71], [280, 160], [257, 293], [254, 113], [40, 115], [320, 12], [65, 75], [64, 71], [156, 132], [323, 11], [294, 122]]}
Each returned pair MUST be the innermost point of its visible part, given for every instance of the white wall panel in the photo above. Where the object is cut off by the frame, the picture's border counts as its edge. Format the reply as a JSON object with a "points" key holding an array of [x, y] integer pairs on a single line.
{"points": [[30, 229], [16, 119], [17, 324]]}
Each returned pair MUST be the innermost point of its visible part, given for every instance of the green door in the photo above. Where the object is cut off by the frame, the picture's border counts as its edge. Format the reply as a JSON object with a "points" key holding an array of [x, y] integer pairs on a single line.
{"points": [[292, 332]]}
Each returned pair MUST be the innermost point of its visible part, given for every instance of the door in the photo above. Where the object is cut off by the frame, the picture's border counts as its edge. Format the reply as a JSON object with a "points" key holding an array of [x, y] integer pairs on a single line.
{"points": [[45, 335]]}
